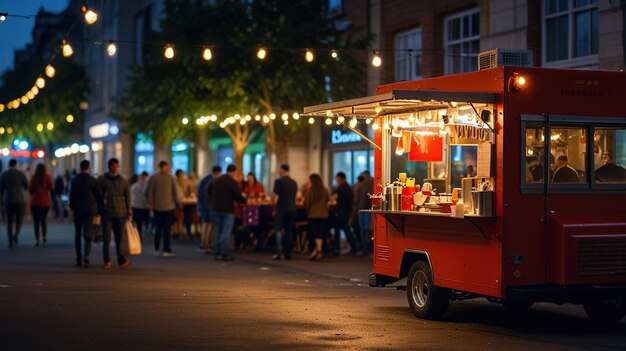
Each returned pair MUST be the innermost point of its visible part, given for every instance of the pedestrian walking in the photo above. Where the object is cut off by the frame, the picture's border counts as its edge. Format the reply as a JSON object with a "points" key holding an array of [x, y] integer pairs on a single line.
{"points": [[223, 192], [204, 208], [40, 188], [13, 185], [59, 190], [163, 201], [139, 202], [363, 202], [343, 211], [115, 210], [84, 208], [316, 205], [284, 198]]}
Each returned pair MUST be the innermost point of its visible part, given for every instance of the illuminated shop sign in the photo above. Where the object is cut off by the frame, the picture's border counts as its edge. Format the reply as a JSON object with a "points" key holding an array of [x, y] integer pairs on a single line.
{"points": [[339, 137], [103, 130]]}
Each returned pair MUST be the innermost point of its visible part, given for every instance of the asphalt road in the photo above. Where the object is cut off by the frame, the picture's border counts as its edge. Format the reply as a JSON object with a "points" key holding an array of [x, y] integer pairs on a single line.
{"points": [[193, 302]]}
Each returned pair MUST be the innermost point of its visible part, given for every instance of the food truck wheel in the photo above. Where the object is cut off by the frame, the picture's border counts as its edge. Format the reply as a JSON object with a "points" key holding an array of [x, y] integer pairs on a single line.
{"points": [[606, 311], [425, 299]]}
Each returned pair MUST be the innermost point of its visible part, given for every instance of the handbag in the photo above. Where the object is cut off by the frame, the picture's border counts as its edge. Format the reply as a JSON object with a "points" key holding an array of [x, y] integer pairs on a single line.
{"points": [[131, 242]]}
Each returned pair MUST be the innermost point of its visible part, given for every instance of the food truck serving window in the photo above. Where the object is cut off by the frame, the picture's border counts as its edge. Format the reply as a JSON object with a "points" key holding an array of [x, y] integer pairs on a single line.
{"points": [[573, 154]]}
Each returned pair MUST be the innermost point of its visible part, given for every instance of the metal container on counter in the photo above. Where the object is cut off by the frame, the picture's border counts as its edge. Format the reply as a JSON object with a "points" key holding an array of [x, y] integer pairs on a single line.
{"points": [[393, 196], [482, 203]]}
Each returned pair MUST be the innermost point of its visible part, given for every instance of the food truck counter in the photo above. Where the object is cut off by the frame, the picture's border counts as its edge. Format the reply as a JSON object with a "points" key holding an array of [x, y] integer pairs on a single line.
{"points": [[417, 213]]}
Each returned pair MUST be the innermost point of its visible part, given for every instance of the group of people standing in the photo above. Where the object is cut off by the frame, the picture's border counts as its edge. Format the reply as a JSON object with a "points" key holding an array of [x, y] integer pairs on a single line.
{"points": [[13, 187]]}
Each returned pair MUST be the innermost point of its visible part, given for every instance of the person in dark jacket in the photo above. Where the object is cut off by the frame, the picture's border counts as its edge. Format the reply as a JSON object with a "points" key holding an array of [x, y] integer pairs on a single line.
{"points": [[84, 207], [284, 197], [13, 186], [343, 210], [115, 210], [222, 193]]}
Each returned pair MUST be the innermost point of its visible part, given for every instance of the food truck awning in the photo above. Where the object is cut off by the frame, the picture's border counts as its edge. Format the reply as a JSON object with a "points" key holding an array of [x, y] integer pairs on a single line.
{"points": [[397, 101]]}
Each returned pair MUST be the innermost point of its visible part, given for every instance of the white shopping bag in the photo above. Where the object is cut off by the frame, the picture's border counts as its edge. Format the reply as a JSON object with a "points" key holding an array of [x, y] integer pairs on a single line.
{"points": [[131, 242]]}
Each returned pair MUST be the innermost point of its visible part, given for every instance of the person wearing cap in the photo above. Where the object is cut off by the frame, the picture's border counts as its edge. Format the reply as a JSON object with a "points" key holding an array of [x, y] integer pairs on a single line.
{"points": [[115, 210], [284, 198], [223, 192], [83, 207]]}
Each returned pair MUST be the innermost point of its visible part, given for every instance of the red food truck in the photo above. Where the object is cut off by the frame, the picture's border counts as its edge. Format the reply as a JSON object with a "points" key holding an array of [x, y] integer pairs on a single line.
{"points": [[535, 157]]}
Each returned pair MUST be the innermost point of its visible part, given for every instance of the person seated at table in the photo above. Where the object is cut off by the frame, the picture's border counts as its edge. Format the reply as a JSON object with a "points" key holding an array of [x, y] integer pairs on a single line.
{"points": [[316, 201], [253, 189], [609, 172], [255, 193], [564, 173]]}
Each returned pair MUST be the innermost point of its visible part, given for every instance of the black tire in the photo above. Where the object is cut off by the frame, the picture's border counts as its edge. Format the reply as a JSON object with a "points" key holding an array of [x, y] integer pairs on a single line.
{"points": [[426, 300], [606, 311]]}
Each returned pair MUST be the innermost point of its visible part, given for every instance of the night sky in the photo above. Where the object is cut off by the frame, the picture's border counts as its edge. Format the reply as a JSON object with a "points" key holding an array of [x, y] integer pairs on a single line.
{"points": [[15, 32]]}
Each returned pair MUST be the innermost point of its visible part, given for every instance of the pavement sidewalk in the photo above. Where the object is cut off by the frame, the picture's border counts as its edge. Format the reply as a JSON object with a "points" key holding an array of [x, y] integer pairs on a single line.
{"points": [[354, 269]]}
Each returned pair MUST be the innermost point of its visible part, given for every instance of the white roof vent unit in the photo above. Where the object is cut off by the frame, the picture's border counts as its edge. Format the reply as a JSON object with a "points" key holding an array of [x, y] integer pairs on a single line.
{"points": [[504, 57]]}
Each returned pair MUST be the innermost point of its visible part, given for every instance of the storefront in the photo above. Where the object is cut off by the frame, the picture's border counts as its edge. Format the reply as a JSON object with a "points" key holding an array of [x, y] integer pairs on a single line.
{"points": [[346, 151], [105, 141]]}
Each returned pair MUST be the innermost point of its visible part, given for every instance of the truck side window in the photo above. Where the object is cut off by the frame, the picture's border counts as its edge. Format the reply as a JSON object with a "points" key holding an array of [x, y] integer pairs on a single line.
{"points": [[609, 155], [535, 137], [567, 163]]}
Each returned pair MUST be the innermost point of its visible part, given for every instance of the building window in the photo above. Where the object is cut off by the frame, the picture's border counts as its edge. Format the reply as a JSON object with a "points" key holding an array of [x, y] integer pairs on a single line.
{"points": [[570, 33], [408, 60], [462, 41], [335, 6]]}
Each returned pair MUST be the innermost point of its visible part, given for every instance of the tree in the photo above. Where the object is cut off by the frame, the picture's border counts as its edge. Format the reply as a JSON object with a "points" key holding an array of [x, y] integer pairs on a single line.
{"points": [[235, 81], [60, 97]]}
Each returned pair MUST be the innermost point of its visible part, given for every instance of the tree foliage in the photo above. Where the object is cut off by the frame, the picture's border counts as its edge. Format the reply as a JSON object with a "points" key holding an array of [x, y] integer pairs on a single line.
{"points": [[235, 81], [61, 96]]}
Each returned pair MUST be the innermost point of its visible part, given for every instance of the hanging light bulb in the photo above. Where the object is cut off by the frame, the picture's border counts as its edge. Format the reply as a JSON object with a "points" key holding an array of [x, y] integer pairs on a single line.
{"points": [[261, 54], [30, 95], [248, 118], [399, 148], [329, 121], [308, 56], [368, 121], [40, 127], [353, 122], [111, 48], [376, 60], [69, 118], [40, 82], [169, 52], [286, 122], [35, 90], [284, 116], [296, 116], [185, 120], [50, 71], [272, 116], [207, 54], [67, 49], [266, 119], [340, 119], [257, 118], [3, 17], [90, 16], [311, 120], [25, 100], [334, 54], [50, 126]]}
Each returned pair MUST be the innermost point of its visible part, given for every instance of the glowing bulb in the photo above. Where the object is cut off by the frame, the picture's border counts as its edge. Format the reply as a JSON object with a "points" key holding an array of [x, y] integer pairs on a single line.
{"points": [[40, 82], [25, 100], [284, 116], [248, 118], [40, 127], [329, 121], [521, 81], [308, 56], [353, 122], [30, 95], [1, 130], [207, 54], [261, 54], [50, 71], [375, 126], [334, 54], [376, 60], [35, 90], [67, 49], [266, 119], [311, 120], [9, 130], [296, 116], [69, 118], [1, 107], [341, 119], [368, 121], [286, 122], [185, 120], [169, 52], [242, 121], [3, 17], [90, 16], [111, 49], [257, 118], [50, 126], [272, 116]]}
